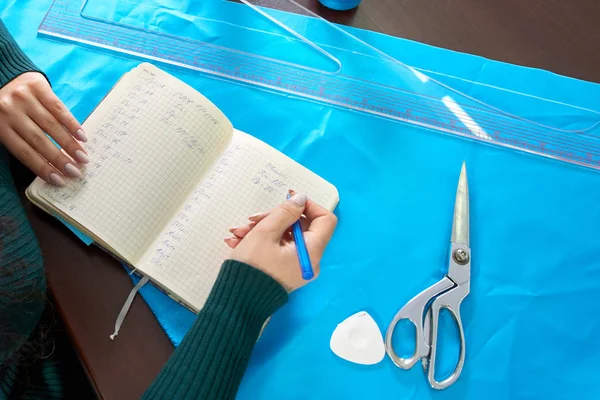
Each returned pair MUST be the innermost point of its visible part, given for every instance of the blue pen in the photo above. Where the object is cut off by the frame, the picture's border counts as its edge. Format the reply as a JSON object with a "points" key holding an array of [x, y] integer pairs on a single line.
{"points": [[303, 258]]}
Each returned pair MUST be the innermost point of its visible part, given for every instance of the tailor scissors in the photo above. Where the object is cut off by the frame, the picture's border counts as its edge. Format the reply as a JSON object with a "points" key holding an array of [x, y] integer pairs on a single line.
{"points": [[447, 293]]}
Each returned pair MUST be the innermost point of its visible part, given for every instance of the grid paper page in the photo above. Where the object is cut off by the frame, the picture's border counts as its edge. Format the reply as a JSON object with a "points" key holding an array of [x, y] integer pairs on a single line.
{"points": [[249, 177], [151, 139]]}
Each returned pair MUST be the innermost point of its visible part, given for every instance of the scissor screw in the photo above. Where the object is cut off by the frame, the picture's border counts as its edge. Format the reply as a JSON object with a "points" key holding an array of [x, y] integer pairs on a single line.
{"points": [[461, 256]]}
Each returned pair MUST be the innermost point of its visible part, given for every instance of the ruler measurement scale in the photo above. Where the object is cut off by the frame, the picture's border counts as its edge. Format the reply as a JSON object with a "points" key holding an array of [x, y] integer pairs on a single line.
{"points": [[64, 21]]}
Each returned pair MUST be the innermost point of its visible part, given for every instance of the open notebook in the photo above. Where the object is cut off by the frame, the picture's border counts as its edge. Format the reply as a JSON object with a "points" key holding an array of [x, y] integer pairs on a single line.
{"points": [[168, 175]]}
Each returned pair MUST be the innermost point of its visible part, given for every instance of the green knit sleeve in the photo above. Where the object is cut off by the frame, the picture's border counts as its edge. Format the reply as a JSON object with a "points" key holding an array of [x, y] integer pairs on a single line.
{"points": [[211, 360], [13, 62], [22, 278]]}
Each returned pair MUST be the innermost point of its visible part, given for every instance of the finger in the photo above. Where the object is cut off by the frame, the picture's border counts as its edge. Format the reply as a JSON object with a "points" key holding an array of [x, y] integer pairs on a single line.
{"points": [[232, 242], [243, 230], [304, 222], [262, 215], [314, 210], [322, 226], [259, 217], [31, 159], [282, 217], [60, 112], [287, 237], [38, 140], [321, 219], [56, 130]]}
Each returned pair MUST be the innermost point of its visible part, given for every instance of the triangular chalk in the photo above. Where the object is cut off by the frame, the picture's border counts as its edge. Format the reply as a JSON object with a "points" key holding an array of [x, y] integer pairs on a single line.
{"points": [[358, 339]]}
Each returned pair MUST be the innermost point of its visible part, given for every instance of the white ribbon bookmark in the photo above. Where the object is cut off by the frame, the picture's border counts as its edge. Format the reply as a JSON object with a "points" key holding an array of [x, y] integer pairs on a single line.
{"points": [[127, 305]]}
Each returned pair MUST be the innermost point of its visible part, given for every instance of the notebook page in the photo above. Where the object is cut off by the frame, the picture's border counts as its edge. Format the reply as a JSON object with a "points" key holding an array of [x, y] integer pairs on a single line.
{"points": [[151, 139], [249, 177]]}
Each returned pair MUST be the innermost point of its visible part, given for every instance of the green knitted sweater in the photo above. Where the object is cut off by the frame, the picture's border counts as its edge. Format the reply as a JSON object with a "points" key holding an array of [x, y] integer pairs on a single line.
{"points": [[208, 364]]}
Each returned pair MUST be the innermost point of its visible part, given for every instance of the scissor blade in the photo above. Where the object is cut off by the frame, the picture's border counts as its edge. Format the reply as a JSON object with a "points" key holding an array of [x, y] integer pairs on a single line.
{"points": [[460, 223]]}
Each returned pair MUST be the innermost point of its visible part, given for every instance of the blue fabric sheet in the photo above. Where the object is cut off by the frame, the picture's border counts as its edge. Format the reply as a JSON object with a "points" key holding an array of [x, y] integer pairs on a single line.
{"points": [[532, 318]]}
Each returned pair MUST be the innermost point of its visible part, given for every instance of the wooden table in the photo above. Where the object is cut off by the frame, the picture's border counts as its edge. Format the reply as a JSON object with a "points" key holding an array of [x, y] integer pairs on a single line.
{"points": [[89, 286]]}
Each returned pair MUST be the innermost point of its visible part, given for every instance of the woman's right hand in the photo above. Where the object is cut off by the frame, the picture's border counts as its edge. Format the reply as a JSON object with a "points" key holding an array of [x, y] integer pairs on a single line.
{"points": [[266, 242]]}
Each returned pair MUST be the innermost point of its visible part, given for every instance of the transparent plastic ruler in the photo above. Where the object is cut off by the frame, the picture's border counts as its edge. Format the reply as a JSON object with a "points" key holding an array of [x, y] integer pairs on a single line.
{"points": [[349, 80]]}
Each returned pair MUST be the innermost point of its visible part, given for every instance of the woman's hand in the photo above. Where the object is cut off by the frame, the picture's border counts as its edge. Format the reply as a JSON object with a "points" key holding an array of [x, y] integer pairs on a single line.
{"points": [[267, 243], [28, 108]]}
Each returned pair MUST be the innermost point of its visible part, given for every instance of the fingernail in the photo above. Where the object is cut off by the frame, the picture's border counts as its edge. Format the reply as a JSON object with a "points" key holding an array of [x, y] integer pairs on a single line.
{"points": [[299, 199], [56, 179], [81, 157], [229, 241], [234, 228], [81, 136], [72, 171], [254, 217]]}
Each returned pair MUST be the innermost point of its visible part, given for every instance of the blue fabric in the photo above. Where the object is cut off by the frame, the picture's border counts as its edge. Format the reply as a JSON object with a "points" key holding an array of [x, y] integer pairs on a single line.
{"points": [[532, 318], [175, 319]]}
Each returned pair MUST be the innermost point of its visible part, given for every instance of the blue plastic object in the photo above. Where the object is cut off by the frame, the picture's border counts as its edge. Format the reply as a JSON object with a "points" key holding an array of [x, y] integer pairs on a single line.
{"points": [[340, 5], [303, 257]]}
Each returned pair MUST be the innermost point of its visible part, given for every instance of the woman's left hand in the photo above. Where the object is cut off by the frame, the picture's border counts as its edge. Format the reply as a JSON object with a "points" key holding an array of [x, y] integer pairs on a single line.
{"points": [[28, 108]]}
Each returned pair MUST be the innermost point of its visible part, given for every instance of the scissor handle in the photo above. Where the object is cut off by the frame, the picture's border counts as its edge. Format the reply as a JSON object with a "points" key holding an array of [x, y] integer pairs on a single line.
{"points": [[414, 311], [451, 301]]}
